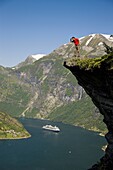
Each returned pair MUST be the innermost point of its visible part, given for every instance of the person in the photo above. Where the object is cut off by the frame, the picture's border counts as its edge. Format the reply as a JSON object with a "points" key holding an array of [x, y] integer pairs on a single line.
{"points": [[76, 42]]}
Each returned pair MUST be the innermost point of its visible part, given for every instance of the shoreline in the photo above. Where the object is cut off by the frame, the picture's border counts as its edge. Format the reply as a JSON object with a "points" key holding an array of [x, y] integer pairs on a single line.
{"points": [[93, 130], [81, 126], [26, 137]]}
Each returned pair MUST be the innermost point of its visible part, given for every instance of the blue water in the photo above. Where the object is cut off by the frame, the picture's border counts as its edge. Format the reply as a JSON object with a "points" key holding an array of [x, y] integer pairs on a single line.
{"points": [[71, 149]]}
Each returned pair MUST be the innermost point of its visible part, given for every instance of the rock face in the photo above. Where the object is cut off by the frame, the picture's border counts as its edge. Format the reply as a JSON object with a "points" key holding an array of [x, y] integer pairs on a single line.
{"points": [[96, 77]]}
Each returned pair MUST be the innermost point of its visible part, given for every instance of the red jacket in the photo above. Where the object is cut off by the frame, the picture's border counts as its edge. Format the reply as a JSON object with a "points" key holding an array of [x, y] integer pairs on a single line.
{"points": [[76, 41]]}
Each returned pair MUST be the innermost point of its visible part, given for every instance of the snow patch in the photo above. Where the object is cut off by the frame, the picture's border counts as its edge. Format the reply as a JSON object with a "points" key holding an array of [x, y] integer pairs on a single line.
{"points": [[38, 56], [100, 43], [108, 37], [88, 35], [92, 35], [89, 41]]}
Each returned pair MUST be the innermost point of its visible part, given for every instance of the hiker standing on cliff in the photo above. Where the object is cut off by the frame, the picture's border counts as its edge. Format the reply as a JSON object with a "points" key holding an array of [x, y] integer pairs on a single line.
{"points": [[76, 42]]}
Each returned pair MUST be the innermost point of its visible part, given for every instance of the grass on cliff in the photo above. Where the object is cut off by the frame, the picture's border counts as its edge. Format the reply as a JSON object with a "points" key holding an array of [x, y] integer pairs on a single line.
{"points": [[91, 63]]}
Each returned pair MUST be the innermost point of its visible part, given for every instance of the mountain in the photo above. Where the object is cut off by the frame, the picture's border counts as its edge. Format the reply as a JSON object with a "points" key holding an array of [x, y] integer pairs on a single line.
{"points": [[92, 45], [47, 90], [30, 59]]}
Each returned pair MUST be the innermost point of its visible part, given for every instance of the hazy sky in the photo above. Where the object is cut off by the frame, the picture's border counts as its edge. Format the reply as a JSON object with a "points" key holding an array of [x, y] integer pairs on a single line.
{"points": [[40, 26]]}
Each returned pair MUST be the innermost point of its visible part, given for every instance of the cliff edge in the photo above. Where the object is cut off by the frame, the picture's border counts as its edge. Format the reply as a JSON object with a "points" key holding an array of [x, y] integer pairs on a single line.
{"points": [[95, 75]]}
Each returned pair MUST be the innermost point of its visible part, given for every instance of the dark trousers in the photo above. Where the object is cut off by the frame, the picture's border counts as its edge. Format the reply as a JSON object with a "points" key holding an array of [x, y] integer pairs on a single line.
{"points": [[77, 53]]}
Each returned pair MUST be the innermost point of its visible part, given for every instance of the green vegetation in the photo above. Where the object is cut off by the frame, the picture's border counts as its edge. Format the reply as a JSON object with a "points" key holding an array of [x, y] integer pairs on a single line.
{"points": [[14, 94], [92, 63], [32, 113], [10, 128], [79, 113], [71, 79], [69, 92], [11, 108]]}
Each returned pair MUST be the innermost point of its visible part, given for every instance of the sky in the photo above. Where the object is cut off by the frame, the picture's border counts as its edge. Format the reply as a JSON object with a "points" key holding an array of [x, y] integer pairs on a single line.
{"points": [[40, 26]]}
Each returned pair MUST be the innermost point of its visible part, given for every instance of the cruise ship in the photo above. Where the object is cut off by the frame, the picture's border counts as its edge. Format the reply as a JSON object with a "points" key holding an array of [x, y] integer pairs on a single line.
{"points": [[51, 128]]}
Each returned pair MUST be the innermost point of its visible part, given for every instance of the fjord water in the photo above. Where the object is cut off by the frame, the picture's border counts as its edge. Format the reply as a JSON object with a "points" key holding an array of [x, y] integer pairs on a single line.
{"points": [[73, 148]]}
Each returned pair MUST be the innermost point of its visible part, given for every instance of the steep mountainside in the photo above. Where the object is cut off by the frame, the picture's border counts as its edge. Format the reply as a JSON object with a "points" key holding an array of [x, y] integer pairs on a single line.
{"points": [[45, 89], [14, 94], [96, 77]]}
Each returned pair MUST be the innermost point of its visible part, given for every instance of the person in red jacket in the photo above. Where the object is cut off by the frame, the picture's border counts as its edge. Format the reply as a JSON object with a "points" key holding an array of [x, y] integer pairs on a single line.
{"points": [[76, 42]]}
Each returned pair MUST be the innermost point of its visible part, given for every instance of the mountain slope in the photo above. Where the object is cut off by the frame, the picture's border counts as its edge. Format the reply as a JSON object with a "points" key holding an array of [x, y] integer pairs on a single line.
{"points": [[10, 128], [92, 45]]}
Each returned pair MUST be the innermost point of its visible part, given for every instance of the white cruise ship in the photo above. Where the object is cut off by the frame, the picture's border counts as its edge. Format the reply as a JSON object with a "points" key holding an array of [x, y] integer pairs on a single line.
{"points": [[51, 128]]}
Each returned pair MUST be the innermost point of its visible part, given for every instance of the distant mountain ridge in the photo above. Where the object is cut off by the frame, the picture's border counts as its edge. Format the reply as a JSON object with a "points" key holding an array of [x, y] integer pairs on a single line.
{"points": [[44, 89], [87, 43], [30, 59]]}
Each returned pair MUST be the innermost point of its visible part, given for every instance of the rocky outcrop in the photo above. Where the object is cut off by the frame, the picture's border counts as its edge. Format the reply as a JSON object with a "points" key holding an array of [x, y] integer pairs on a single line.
{"points": [[96, 77]]}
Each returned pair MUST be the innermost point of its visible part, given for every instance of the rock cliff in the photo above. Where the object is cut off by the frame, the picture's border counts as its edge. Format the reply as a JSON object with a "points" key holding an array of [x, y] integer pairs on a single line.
{"points": [[96, 77]]}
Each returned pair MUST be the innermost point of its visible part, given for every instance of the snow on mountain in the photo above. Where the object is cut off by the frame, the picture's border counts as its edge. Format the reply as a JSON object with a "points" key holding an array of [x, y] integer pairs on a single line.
{"points": [[109, 37], [101, 43], [106, 36], [88, 41], [88, 35], [38, 56], [93, 44], [89, 45], [89, 38], [30, 59]]}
